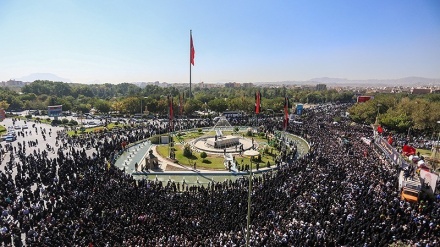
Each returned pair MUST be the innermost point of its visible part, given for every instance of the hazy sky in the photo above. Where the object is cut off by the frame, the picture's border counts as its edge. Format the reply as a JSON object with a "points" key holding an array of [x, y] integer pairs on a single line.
{"points": [[245, 41]]}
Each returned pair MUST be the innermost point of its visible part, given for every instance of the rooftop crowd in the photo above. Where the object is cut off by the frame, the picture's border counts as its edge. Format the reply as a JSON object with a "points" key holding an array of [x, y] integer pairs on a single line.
{"points": [[338, 194]]}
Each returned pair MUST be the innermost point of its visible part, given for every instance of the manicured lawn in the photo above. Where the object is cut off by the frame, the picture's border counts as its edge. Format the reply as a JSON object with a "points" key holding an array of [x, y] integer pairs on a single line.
{"points": [[212, 162], [2, 129], [94, 129], [42, 120], [425, 152], [186, 136]]}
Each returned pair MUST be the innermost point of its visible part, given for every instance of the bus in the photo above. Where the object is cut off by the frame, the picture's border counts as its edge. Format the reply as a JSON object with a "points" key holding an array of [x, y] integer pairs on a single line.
{"points": [[232, 114]]}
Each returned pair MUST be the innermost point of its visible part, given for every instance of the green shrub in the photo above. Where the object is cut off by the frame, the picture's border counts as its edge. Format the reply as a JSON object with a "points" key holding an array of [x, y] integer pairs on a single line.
{"points": [[200, 130], [266, 149], [249, 133], [55, 122], [337, 119], [203, 155], [154, 139], [236, 129], [73, 122], [28, 116], [187, 152], [64, 121]]}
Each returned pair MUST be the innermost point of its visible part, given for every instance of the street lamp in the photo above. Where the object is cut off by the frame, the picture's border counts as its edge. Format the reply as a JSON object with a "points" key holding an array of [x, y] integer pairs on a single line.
{"points": [[141, 105], [377, 116], [437, 144], [249, 153]]}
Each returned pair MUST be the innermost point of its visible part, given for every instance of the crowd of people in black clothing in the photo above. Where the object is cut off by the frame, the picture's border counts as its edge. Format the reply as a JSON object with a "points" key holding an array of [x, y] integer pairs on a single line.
{"points": [[336, 195]]}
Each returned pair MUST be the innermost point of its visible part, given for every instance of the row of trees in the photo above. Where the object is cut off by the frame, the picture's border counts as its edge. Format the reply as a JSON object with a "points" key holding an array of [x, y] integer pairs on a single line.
{"points": [[128, 98], [400, 112]]}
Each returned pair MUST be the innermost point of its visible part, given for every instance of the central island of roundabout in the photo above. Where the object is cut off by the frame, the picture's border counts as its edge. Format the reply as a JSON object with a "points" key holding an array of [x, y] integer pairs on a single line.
{"points": [[204, 155]]}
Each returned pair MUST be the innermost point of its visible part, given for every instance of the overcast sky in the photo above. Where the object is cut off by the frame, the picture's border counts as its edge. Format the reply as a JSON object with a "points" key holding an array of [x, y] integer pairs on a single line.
{"points": [[245, 41]]}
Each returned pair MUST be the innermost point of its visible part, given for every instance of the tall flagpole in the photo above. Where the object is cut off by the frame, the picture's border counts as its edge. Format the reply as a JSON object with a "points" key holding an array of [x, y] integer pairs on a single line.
{"points": [[190, 60]]}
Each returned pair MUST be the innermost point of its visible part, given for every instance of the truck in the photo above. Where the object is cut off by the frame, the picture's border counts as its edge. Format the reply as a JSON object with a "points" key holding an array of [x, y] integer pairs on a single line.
{"points": [[412, 188], [410, 191]]}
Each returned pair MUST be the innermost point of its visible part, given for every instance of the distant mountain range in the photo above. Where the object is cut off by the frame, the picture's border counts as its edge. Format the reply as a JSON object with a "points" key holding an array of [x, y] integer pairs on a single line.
{"points": [[42, 76], [406, 82]]}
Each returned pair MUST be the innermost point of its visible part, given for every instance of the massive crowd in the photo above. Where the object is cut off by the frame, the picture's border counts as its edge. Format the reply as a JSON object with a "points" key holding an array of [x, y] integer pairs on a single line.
{"points": [[339, 194]]}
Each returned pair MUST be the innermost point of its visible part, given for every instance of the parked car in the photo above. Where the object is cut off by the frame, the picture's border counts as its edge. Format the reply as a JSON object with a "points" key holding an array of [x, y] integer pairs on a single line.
{"points": [[10, 138], [24, 126]]}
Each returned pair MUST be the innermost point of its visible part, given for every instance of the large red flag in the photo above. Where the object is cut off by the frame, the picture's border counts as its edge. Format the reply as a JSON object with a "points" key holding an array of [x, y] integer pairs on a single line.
{"points": [[286, 112], [192, 53], [257, 102], [379, 129], [408, 150], [390, 140], [171, 112]]}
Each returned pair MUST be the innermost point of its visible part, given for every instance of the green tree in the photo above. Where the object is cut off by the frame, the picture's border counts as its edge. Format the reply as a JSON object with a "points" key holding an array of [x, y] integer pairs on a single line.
{"points": [[191, 106], [364, 112], [203, 155], [131, 105], [15, 103], [102, 106], [84, 108], [218, 105], [396, 120], [187, 152], [4, 105]]}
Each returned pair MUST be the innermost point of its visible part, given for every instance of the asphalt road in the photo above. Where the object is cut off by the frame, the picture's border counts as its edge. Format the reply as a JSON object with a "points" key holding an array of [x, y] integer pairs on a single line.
{"points": [[30, 134]]}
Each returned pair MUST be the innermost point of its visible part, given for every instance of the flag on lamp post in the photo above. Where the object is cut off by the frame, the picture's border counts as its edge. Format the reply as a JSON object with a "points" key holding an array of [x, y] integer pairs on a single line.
{"points": [[192, 51], [170, 100], [257, 102], [286, 112]]}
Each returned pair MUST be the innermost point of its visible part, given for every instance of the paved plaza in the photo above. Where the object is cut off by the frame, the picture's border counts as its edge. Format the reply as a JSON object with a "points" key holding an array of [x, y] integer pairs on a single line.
{"points": [[168, 170]]}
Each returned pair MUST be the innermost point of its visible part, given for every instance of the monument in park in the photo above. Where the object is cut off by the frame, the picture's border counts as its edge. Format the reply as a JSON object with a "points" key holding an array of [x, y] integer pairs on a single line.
{"points": [[220, 143]]}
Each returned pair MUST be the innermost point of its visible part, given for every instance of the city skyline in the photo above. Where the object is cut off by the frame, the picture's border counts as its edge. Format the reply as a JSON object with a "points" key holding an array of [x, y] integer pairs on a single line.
{"points": [[246, 41]]}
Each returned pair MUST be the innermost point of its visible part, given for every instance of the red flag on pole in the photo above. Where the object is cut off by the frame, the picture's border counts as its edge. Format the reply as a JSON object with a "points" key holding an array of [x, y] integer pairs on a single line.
{"points": [[390, 140], [257, 102], [286, 112], [192, 52], [408, 150], [379, 129], [170, 99]]}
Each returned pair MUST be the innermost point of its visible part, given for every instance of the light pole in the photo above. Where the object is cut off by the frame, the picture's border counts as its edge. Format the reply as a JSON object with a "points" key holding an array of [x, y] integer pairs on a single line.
{"points": [[249, 153], [377, 116], [437, 145], [142, 110]]}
